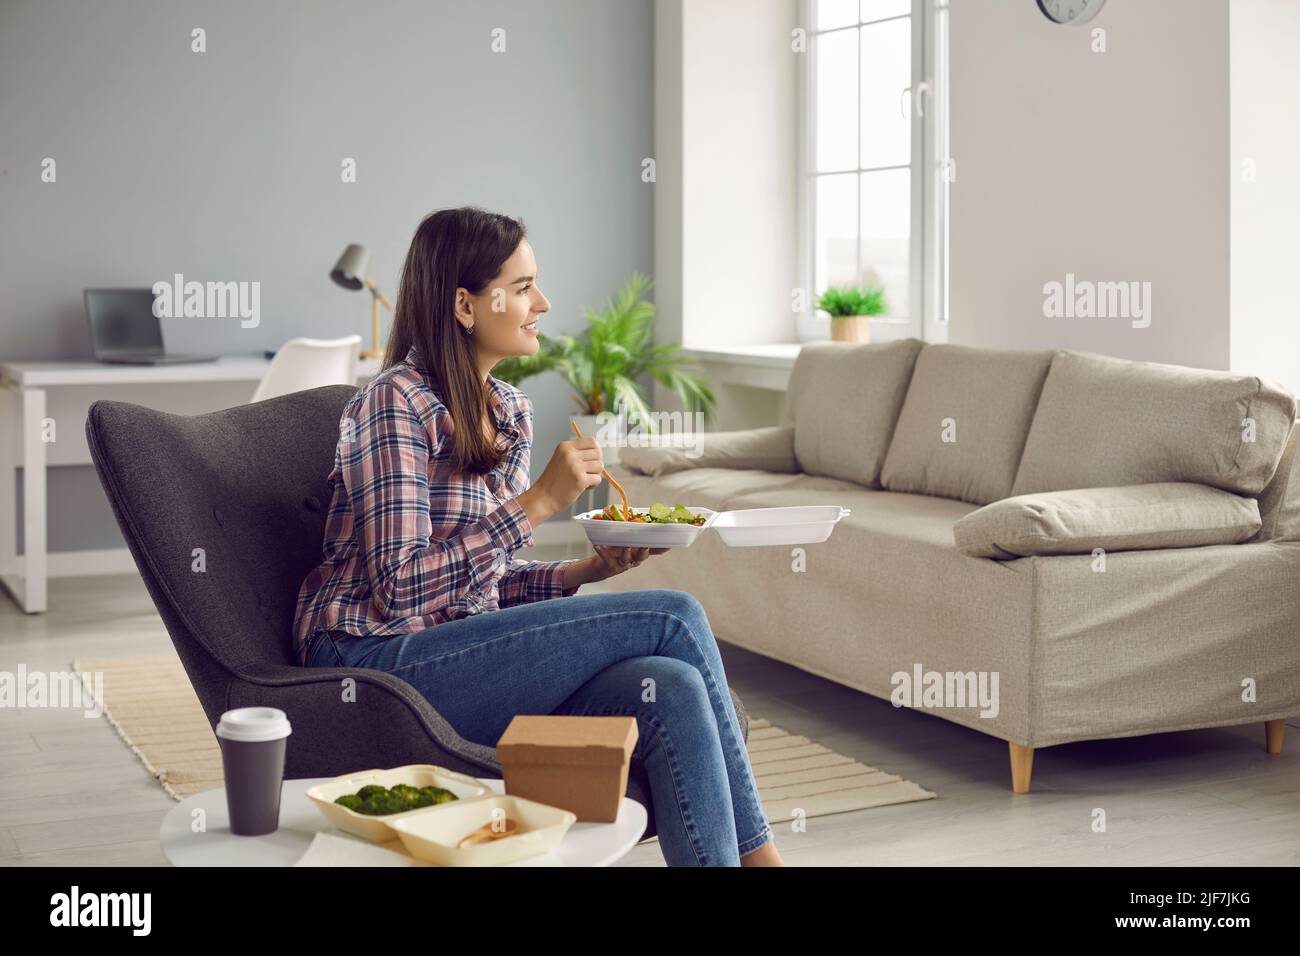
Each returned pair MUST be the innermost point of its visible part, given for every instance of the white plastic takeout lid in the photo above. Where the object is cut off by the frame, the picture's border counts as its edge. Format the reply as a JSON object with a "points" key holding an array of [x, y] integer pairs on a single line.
{"points": [[254, 724]]}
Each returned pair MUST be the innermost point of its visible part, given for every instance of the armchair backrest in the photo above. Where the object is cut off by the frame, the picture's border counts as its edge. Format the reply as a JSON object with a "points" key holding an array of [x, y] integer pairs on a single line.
{"points": [[224, 514]]}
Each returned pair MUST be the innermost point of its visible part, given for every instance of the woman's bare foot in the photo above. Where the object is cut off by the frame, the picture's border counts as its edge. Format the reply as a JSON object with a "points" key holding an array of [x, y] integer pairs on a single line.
{"points": [[765, 855]]}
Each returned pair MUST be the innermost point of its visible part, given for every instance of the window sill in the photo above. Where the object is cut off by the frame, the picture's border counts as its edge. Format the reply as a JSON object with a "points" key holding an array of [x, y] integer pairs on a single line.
{"points": [[752, 366], [779, 355]]}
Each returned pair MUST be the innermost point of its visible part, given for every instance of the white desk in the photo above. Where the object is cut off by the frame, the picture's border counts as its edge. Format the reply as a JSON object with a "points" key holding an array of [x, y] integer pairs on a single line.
{"points": [[43, 408]]}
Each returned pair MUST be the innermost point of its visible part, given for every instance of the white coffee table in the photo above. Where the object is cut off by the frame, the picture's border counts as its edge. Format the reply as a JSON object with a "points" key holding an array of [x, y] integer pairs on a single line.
{"points": [[585, 844]]}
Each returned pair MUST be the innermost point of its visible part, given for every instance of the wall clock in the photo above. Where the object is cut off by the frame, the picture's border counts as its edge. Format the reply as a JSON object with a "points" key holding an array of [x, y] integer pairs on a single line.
{"points": [[1070, 11]]}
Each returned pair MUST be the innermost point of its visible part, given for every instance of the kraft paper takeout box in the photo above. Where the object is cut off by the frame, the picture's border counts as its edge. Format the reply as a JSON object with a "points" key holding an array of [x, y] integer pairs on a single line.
{"points": [[575, 763]]}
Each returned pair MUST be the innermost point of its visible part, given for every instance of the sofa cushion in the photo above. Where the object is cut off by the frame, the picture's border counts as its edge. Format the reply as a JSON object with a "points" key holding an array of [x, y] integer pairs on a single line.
{"points": [[1105, 421], [1134, 517], [843, 400], [964, 423], [770, 448], [699, 487], [719, 488]]}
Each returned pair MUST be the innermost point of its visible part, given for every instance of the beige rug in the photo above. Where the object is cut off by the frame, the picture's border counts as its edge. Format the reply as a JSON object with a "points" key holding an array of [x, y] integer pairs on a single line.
{"points": [[795, 773], [155, 710], [153, 706]]}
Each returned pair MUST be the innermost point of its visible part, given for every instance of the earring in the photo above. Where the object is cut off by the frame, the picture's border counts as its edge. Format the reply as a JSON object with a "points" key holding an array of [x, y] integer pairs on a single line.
{"points": [[469, 330]]}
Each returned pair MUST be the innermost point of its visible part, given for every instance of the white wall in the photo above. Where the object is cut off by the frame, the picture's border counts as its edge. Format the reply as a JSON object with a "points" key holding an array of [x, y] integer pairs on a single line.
{"points": [[726, 140], [1112, 166], [669, 160], [1116, 166], [739, 173], [1265, 175]]}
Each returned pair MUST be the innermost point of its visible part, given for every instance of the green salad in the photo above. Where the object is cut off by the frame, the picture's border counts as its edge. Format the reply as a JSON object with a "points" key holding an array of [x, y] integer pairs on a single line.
{"points": [[659, 513]]}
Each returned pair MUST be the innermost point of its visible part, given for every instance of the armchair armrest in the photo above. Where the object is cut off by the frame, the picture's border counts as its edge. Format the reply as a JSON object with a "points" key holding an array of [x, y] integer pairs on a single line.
{"points": [[770, 448], [1129, 518], [384, 719]]}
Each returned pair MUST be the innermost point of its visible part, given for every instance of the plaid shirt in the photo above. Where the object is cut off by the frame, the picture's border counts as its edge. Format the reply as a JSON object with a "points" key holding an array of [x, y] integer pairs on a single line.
{"points": [[410, 543]]}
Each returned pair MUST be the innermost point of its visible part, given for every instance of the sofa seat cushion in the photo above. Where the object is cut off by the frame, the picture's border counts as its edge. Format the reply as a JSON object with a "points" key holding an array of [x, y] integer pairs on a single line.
{"points": [[1134, 517], [843, 400], [1105, 421], [964, 423]]}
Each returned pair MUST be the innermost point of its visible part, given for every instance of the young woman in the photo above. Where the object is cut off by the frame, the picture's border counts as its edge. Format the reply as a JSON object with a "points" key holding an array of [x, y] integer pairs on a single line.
{"points": [[429, 501]]}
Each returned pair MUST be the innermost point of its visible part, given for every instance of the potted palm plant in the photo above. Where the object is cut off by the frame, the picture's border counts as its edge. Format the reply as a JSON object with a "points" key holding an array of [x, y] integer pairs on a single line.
{"points": [[603, 364], [851, 308]]}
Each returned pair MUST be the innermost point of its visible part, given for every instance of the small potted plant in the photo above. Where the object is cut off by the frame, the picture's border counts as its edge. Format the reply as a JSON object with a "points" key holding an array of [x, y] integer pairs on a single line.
{"points": [[603, 363], [851, 308]]}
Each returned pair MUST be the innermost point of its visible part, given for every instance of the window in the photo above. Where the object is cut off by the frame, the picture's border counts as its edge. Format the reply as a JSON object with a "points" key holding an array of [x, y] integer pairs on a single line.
{"points": [[874, 175]]}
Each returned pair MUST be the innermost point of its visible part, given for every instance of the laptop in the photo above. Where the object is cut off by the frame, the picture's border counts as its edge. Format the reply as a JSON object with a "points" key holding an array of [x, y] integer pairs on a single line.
{"points": [[124, 330]]}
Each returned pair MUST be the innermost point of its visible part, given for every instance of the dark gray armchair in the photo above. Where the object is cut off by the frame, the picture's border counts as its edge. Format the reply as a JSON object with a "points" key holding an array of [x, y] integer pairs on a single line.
{"points": [[247, 485]]}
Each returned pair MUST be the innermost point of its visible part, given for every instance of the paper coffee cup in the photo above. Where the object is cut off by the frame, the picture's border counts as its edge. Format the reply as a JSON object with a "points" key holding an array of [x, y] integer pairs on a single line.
{"points": [[253, 742]]}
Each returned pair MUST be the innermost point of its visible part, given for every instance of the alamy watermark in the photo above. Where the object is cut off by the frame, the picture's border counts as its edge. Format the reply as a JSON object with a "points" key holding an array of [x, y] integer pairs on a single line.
{"points": [[946, 689], [684, 430], [209, 300], [1085, 299], [84, 691], [132, 910]]}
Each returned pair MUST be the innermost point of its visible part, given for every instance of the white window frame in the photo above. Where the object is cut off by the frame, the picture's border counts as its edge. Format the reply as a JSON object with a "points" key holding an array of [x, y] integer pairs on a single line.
{"points": [[931, 171]]}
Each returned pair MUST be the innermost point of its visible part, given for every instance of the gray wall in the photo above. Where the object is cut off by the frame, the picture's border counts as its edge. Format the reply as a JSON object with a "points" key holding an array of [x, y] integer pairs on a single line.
{"points": [[225, 165]]}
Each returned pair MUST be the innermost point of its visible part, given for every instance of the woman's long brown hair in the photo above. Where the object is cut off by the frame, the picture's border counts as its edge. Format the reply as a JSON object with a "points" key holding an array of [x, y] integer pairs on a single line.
{"points": [[452, 248]]}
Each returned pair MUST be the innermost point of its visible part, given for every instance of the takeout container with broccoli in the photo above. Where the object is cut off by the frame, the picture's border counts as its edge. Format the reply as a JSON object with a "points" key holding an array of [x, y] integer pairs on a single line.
{"points": [[366, 803]]}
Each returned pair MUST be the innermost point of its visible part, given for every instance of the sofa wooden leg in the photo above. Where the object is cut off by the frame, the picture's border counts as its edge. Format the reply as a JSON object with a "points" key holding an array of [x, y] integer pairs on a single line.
{"points": [[1273, 735], [1022, 766]]}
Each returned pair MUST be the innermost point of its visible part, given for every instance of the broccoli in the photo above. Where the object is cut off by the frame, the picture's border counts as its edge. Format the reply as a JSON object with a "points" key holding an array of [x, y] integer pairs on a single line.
{"points": [[375, 800], [405, 794], [381, 805]]}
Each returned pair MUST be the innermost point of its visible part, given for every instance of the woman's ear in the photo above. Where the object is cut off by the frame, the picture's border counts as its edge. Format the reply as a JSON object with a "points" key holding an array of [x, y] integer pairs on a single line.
{"points": [[461, 310]]}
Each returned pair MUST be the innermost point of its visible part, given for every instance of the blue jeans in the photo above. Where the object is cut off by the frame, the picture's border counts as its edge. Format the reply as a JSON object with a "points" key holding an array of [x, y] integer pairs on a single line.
{"points": [[649, 654]]}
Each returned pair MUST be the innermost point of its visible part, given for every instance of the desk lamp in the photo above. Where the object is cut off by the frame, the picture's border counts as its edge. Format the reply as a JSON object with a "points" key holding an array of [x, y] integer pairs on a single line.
{"points": [[350, 272]]}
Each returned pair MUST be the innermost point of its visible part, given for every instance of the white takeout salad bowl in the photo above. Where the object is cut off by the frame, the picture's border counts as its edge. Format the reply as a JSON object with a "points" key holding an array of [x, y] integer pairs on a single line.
{"points": [[744, 528], [642, 534]]}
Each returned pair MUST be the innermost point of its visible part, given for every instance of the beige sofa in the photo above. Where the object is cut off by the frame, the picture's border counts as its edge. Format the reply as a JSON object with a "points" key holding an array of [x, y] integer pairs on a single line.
{"points": [[1164, 597]]}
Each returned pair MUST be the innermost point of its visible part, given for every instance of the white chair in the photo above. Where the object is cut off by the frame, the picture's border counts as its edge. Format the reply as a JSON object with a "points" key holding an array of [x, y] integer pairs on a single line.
{"points": [[301, 364]]}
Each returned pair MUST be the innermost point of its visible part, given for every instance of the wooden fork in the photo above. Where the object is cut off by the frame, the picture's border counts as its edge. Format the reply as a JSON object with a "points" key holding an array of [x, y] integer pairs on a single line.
{"points": [[627, 512]]}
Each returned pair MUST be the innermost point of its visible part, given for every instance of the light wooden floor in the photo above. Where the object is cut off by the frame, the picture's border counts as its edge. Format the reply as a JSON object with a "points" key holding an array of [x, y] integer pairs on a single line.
{"points": [[71, 793]]}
